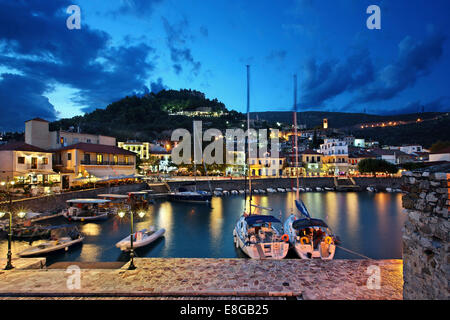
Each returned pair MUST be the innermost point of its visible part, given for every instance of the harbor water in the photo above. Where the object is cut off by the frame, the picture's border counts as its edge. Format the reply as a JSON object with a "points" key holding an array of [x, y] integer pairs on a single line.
{"points": [[367, 223]]}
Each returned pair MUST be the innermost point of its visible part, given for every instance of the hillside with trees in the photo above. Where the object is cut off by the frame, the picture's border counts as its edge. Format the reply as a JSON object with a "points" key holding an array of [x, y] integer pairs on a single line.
{"points": [[149, 116]]}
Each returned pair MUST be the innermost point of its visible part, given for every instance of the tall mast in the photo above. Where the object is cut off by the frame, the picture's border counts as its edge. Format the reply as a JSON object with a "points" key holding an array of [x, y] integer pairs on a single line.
{"points": [[295, 133], [248, 139]]}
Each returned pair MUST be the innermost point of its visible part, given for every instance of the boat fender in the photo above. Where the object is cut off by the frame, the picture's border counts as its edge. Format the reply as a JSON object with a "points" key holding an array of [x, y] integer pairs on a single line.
{"points": [[304, 240], [285, 237], [328, 240]]}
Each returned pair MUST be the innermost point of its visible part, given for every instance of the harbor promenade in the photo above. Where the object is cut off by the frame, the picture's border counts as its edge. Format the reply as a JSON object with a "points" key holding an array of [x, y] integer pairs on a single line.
{"points": [[175, 278]]}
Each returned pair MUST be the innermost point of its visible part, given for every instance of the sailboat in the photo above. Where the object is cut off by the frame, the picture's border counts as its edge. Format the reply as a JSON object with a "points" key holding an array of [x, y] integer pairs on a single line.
{"points": [[310, 238], [257, 235]]}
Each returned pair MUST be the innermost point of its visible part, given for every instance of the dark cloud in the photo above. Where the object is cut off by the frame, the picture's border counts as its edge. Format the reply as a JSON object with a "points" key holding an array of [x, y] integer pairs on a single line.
{"points": [[180, 53], [21, 99], [39, 45], [415, 59], [157, 86], [326, 80]]}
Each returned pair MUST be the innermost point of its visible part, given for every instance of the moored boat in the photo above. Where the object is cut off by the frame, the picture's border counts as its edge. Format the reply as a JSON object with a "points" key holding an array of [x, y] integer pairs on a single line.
{"points": [[184, 195], [141, 238], [87, 209]]}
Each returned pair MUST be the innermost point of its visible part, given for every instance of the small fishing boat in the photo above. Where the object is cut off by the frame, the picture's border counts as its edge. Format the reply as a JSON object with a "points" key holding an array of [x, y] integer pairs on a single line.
{"points": [[398, 190], [183, 195], [72, 237], [258, 238], [281, 190], [226, 192], [256, 191], [308, 189], [329, 189], [310, 238], [294, 189], [319, 189], [217, 193], [141, 238], [234, 192], [117, 201], [301, 189], [262, 191], [241, 191], [288, 190], [271, 190], [371, 189], [139, 200], [30, 233], [87, 209], [389, 189]]}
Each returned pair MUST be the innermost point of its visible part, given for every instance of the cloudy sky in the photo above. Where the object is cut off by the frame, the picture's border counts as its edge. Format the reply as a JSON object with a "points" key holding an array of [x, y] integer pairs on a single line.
{"points": [[136, 46]]}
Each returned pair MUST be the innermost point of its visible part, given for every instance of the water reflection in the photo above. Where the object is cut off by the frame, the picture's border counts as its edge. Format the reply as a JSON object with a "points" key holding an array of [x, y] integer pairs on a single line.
{"points": [[367, 223]]}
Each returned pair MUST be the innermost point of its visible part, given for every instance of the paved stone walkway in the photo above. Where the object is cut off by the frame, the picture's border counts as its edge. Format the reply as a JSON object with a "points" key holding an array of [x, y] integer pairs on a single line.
{"points": [[158, 277]]}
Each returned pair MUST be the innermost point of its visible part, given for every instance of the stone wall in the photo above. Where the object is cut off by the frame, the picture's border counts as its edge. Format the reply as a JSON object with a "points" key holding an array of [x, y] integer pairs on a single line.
{"points": [[55, 203], [426, 233]]}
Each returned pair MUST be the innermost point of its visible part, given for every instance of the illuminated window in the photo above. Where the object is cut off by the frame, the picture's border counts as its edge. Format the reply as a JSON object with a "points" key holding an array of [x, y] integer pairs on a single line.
{"points": [[115, 159], [69, 156], [126, 160], [44, 160], [99, 158]]}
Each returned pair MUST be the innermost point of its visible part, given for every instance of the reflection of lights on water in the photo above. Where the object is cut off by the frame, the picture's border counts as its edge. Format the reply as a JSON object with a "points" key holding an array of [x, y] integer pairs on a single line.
{"points": [[331, 208], [165, 215], [90, 229], [352, 204], [216, 219], [90, 252]]}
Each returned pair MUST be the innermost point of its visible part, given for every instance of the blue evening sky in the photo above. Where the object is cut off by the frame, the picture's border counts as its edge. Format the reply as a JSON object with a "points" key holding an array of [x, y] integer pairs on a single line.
{"points": [[136, 46]]}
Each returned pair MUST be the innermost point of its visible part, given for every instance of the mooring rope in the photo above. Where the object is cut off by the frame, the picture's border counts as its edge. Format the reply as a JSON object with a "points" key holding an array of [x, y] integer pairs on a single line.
{"points": [[356, 253]]}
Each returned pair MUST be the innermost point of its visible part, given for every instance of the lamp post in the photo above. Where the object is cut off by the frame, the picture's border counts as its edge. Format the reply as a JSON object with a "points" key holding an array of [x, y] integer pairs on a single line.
{"points": [[122, 214], [21, 214]]}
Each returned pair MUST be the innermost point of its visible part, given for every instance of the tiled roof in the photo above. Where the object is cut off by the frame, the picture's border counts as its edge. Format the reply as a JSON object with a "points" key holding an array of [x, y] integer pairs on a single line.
{"points": [[97, 148], [21, 146]]}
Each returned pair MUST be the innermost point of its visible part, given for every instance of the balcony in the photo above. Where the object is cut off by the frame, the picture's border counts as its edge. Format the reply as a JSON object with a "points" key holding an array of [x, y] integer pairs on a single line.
{"points": [[106, 163]]}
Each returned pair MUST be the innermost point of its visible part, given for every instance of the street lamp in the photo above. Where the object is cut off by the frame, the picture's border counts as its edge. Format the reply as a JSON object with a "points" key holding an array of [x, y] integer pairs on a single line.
{"points": [[21, 215], [141, 214]]}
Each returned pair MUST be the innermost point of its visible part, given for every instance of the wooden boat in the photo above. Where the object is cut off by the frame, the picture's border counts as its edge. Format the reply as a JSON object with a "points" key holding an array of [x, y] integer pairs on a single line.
{"points": [[87, 209], [50, 246], [140, 239]]}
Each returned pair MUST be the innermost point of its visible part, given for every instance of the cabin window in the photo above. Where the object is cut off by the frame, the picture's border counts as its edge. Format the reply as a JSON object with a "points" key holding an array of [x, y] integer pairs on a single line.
{"points": [[99, 158], [126, 160], [44, 160], [21, 160], [69, 156], [115, 159]]}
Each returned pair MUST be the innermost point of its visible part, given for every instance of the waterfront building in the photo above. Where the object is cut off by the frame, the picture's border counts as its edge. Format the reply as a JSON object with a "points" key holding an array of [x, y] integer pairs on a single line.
{"points": [[325, 123], [409, 149], [355, 156], [335, 156], [142, 149], [441, 155], [392, 156], [37, 134], [360, 143], [267, 166], [26, 164], [86, 162], [237, 168]]}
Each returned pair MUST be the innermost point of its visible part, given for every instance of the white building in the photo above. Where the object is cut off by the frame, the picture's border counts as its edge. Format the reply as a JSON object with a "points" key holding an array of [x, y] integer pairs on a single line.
{"points": [[332, 147], [443, 155]]}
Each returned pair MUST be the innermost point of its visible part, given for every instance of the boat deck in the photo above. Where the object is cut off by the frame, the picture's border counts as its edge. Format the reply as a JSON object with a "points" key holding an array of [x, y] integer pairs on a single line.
{"points": [[170, 277]]}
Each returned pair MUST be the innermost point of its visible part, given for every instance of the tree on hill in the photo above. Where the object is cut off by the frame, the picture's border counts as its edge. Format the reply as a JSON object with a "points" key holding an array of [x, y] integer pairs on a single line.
{"points": [[439, 145], [375, 166]]}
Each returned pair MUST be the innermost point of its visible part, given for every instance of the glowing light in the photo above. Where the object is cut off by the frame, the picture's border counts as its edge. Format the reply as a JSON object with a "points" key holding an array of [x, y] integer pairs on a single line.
{"points": [[2, 214], [3, 183], [141, 214], [12, 182], [22, 214], [121, 214]]}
